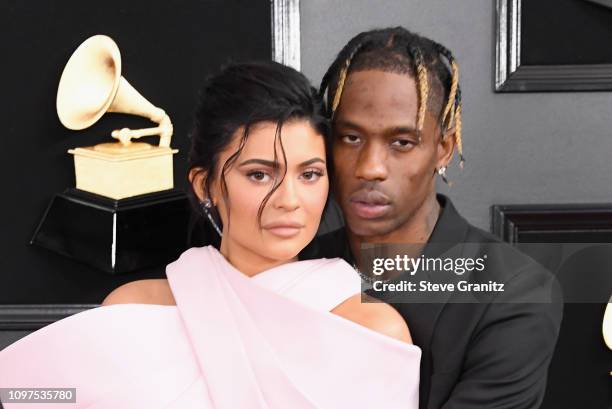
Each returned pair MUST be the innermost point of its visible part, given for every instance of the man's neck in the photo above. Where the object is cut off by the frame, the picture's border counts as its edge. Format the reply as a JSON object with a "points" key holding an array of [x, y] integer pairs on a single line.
{"points": [[417, 230]]}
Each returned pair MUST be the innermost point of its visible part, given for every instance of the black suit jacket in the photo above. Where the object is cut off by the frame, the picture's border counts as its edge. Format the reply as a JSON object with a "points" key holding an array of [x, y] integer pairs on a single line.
{"points": [[492, 354]]}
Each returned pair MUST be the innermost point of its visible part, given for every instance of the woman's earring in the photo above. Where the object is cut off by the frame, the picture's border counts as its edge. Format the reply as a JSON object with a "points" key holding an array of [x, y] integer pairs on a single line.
{"points": [[207, 205], [442, 173]]}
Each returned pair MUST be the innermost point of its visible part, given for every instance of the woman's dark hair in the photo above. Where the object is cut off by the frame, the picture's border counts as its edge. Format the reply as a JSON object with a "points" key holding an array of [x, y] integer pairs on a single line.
{"points": [[242, 95]]}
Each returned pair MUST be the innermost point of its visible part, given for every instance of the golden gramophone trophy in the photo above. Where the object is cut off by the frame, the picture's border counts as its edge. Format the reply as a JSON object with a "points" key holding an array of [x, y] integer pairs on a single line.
{"points": [[606, 326], [124, 214]]}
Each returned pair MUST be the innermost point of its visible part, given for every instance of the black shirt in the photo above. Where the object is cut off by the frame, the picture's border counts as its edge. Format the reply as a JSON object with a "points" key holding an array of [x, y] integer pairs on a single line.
{"points": [[476, 355]]}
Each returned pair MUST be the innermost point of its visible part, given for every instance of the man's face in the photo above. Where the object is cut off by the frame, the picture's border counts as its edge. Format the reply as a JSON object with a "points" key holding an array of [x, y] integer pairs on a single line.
{"points": [[383, 175]]}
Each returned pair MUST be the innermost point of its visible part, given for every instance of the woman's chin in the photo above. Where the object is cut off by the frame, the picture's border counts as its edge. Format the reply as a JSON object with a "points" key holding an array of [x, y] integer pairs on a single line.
{"points": [[284, 249]]}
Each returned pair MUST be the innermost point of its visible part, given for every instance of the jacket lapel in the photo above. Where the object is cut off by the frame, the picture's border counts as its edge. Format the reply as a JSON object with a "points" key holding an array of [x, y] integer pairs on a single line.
{"points": [[447, 240]]}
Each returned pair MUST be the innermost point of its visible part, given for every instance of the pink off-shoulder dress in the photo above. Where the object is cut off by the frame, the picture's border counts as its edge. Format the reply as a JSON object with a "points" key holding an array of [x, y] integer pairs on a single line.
{"points": [[231, 342]]}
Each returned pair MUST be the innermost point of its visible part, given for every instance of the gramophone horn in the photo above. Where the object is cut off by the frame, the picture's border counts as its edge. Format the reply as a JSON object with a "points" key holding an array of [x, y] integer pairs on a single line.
{"points": [[89, 82], [91, 85]]}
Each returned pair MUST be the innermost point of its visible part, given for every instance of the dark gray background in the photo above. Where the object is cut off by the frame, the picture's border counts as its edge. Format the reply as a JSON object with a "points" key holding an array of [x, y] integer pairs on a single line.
{"points": [[520, 148]]}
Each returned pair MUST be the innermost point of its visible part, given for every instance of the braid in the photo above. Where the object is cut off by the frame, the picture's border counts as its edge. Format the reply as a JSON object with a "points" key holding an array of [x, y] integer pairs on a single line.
{"points": [[448, 114], [422, 85], [325, 80], [343, 60], [342, 77], [453, 105], [454, 84], [458, 128], [327, 77]]}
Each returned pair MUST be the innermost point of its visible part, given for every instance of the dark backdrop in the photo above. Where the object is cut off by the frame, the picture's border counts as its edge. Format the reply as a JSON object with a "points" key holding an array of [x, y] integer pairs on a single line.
{"points": [[565, 32], [168, 49]]}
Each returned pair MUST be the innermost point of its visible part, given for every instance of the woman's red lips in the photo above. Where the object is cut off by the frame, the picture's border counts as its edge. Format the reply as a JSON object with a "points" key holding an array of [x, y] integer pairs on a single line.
{"points": [[369, 204]]}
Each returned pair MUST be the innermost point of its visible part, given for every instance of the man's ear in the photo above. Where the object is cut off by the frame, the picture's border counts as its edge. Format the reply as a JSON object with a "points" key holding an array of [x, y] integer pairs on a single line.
{"points": [[197, 178], [446, 147]]}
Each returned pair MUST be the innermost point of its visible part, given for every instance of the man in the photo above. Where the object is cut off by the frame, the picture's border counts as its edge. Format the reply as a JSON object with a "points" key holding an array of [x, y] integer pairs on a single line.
{"points": [[395, 104]]}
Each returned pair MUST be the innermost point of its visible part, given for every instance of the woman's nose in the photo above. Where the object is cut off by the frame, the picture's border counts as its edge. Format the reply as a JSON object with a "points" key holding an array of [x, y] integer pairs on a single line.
{"points": [[286, 195]]}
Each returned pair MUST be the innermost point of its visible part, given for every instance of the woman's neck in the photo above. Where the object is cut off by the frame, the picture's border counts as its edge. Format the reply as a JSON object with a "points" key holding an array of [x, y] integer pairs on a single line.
{"points": [[246, 260]]}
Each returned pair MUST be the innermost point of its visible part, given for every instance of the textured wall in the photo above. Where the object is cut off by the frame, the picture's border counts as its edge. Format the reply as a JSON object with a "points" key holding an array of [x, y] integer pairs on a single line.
{"points": [[520, 148]]}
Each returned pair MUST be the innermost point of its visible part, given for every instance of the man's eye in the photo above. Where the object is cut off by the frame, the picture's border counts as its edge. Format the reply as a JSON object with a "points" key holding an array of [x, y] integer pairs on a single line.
{"points": [[351, 139], [258, 176], [403, 143]]}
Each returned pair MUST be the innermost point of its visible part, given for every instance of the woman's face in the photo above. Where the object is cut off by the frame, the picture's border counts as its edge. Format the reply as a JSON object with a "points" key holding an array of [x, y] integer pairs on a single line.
{"points": [[292, 214]]}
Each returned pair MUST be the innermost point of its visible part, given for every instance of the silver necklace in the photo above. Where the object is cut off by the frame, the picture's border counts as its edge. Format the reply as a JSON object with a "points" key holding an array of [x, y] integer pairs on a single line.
{"points": [[366, 278]]}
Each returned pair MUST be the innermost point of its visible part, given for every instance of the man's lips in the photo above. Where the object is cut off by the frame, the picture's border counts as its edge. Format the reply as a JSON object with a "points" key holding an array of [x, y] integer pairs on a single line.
{"points": [[369, 204]]}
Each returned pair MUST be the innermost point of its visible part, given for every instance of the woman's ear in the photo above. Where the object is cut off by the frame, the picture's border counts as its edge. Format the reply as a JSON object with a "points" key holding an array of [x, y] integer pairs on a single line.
{"points": [[197, 178]]}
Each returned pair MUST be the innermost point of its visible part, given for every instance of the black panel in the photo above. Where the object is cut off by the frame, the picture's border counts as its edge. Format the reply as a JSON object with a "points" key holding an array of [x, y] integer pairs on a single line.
{"points": [[565, 32], [553, 45], [168, 49], [579, 375]]}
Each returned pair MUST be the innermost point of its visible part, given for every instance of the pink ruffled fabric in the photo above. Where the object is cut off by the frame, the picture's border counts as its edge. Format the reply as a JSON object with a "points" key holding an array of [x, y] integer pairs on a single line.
{"points": [[231, 342]]}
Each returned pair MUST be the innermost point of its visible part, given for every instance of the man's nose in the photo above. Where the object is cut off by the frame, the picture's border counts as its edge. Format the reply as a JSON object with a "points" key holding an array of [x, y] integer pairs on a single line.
{"points": [[372, 163]]}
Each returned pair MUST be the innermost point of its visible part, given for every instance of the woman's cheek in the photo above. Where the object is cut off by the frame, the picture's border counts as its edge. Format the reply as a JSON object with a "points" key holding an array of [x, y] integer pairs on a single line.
{"points": [[315, 199], [244, 203]]}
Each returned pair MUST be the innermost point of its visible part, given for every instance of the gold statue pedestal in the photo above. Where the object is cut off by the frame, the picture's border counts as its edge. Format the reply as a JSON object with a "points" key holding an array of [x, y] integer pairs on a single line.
{"points": [[118, 171], [124, 215]]}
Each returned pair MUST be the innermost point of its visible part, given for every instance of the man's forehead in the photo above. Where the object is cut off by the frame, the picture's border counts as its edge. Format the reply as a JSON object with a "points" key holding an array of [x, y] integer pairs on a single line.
{"points": [[378, 93], [377, 100], [378, 125], [381, 82]]}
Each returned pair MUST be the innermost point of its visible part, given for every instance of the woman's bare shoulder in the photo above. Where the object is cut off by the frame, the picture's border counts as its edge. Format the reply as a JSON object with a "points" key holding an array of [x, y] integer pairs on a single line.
{"points": [[147, 291], [377, 316]]}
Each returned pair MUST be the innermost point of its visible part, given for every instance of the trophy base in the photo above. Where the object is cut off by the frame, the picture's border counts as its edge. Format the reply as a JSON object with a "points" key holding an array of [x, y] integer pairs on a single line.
{"points": [[118, 174], [116, 236]]}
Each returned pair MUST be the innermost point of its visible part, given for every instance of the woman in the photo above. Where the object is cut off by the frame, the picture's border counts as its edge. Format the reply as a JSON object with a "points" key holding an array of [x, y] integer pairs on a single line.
{"points": [[241, 324]]}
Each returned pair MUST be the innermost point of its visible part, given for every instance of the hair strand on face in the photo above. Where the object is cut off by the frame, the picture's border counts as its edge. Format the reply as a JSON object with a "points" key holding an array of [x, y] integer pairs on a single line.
{"points": [[277, 182]]}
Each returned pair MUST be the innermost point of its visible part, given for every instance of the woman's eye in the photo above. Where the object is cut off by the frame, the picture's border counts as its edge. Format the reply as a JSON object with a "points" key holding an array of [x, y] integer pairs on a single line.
{"points": [[259, 176], [351, 139], [312, 175]]}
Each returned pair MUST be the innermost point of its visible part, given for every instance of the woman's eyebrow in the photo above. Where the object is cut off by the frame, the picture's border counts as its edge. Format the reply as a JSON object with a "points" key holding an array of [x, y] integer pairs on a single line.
{"points": [[273, 164], [311, 161], [264, 162]]}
